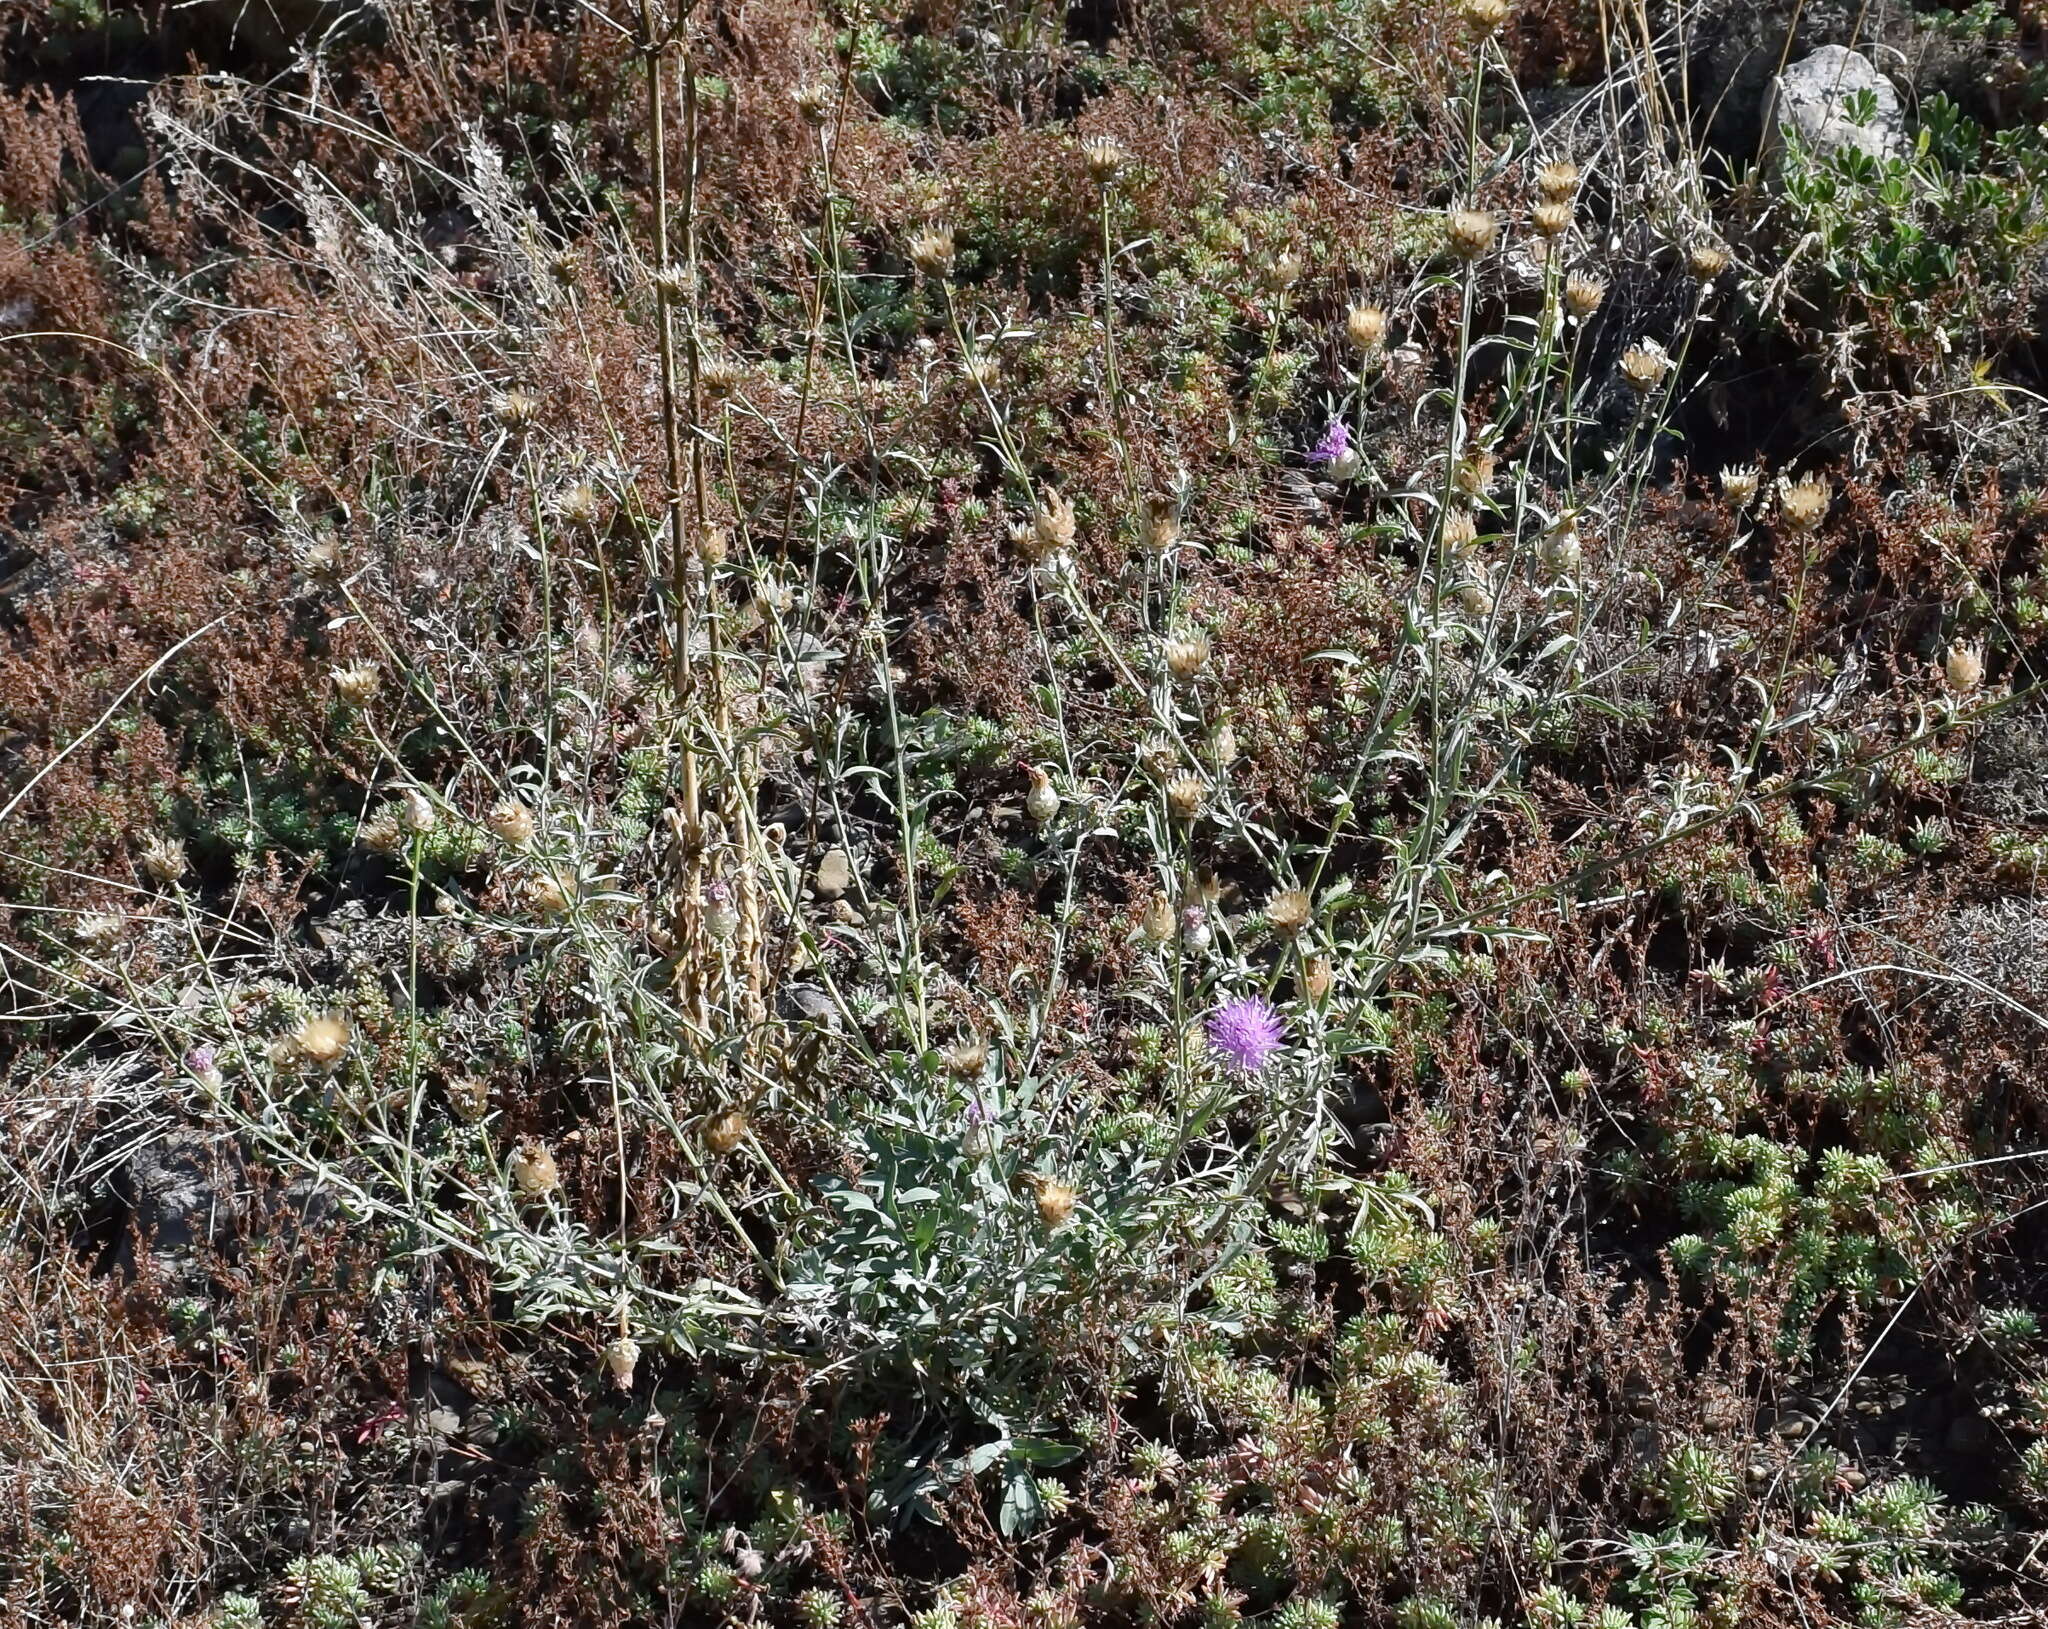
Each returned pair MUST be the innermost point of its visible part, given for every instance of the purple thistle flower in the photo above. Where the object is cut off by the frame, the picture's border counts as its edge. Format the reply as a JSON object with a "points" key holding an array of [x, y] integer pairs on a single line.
{"points": [[1247, 1031], [1335, 444], [200, 1059]]}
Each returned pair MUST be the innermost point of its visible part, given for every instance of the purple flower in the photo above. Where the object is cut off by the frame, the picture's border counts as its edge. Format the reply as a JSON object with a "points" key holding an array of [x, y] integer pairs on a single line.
{"points": [[1335, 444], [1247, 1031], [200, 1060]]}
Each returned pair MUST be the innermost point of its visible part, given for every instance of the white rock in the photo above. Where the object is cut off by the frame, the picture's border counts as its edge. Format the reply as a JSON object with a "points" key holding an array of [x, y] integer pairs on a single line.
{"points": [[1812, 97]]}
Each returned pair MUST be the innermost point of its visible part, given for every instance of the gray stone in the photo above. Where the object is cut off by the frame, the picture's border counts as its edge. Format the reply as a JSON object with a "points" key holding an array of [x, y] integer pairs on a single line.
{"points": [[1812, 98]]}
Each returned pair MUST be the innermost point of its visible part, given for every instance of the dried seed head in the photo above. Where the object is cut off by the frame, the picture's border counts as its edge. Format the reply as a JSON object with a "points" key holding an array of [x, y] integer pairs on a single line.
{"points": [[1365, 326], [1157, 922], [1583, 293], [1105, 159], [552, 892], [1281, 273], [1471, 232], [1964, 668], [1551, 219], [98, 931], [534, 1172], [724, 1134], [469, 1097], [931, 250], [322, 558], [1645, 366], [1050, 533], [1159, 758], [1475, 598], [321, 1042], [982, 371], [1223, 745], [621, 1357], [1162, 524], [1557, 181], [380, 834], [1804, 504], [163, 858], [834, 875], [564, 267], [1041, 802], [357, 683], [712, 545], [814, 104], [1562, 553], [512, 823], [967, 1057], [515, 409], [1056, 1201], [1316, 977], [1706, 261], [720, 375], [1461, 531], [1487, 17], [1186, 654], [1289, 911], [578, 504], [672, 284], [1185, 795], [1739, 484], [414, 811], [1475, 474]]}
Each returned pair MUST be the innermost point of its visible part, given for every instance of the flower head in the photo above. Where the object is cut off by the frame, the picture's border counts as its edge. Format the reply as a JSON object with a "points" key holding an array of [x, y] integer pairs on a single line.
{"points": [[1335, 444], [1247, 1031]]}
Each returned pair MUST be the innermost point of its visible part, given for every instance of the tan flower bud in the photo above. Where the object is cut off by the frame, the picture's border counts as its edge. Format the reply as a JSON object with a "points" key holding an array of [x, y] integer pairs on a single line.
{"points": [[1290, 911], [515, 409], [1105, 159], [1281, 273], [1487, 17], [967, 1057], [1186, 654], [1706, 261], [932, 251], [1739, 484], [1056, 1201], [814, 104], [1316, 977], [1157, 922], [163, 858], [357, 683], [534, 1172], [1557, 181], [725, 1133], [1645, 366], [1185, 796], [512, 823], [1583, 293], [1471, 232], [1804, 504], [1041, 801], [621, 1357], [1964, 668], [1365, 326], [1551, 219], [720, 375], [321, 1042]]}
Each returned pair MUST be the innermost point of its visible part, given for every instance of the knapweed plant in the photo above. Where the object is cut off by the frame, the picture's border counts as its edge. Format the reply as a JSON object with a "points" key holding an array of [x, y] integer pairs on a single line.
{"points": [[1014, 818]]}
